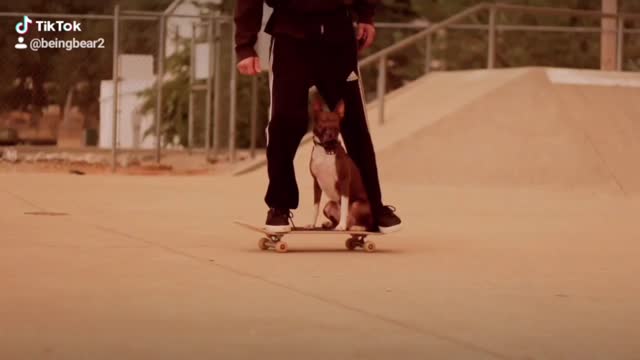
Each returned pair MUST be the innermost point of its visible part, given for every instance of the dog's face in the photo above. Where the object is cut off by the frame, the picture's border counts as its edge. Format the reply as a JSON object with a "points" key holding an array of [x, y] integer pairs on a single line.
{"points": [[326, 124]]}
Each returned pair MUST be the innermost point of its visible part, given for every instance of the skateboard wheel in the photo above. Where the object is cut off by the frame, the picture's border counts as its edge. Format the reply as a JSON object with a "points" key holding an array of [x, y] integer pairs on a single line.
{"points": [[282, 247], [369, 246], [351, 244], [263, 244]]}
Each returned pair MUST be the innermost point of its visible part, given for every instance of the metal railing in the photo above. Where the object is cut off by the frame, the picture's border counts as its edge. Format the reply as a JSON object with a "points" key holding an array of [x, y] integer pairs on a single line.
{"points": [[492, 27]]}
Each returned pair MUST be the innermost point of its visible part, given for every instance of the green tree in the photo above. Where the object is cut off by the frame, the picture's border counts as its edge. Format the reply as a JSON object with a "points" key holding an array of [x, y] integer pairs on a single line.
{"points": [[175, 97]]}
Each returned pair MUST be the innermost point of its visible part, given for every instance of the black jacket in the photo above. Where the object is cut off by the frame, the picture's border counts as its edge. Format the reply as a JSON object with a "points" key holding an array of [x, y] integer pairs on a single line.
{"points": [[298, 18]]}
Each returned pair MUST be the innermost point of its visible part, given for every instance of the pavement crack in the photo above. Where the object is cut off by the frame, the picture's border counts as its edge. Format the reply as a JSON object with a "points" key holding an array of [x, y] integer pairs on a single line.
{"points": [[30, 203]]}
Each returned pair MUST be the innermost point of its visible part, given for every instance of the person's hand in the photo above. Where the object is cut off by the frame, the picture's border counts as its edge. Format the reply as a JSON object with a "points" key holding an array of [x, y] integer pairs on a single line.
{"points": [[366, 35], [249, 66]]}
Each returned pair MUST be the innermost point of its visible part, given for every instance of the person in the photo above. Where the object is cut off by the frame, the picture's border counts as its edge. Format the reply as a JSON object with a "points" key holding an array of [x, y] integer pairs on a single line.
{"points": [[313, 43]]}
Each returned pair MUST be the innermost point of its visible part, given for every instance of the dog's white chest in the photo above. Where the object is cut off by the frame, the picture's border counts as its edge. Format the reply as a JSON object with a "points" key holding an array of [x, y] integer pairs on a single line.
{"points": [[323, 167]]}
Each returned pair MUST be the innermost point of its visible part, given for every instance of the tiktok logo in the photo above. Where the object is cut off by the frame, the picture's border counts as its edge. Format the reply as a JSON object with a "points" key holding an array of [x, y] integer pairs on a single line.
{"points": [[23, 26]]}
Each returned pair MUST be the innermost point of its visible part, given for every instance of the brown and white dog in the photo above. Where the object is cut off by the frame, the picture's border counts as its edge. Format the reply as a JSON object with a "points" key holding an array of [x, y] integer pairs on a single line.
{"points": [[336, 175]]}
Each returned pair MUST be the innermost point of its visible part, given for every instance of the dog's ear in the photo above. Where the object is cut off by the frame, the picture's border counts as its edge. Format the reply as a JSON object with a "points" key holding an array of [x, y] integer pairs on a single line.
{"points": [[317, 104], [340, 109]]}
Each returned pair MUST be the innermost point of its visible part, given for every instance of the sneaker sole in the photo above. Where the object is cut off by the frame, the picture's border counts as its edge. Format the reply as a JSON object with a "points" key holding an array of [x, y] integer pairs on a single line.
{"points": [[390, 229], [278, 228]]}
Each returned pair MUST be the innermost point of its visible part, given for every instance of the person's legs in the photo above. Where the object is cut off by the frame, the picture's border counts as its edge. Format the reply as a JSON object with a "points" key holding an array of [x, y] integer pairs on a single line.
{"points": [[337, 77], [288, 123]]}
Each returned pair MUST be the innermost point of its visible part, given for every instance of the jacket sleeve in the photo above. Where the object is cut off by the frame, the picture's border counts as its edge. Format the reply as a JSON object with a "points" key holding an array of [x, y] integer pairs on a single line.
{"points": [[248, 20], [365, 9]]}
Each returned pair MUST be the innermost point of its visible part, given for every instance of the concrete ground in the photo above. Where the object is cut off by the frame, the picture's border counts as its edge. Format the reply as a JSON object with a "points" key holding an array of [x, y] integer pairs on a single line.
{"points": [[153, 268], [519, 190]]}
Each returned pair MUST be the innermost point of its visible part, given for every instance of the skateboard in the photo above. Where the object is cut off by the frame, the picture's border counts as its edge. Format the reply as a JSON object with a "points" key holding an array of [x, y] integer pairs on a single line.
{"points": [[273, 240]]}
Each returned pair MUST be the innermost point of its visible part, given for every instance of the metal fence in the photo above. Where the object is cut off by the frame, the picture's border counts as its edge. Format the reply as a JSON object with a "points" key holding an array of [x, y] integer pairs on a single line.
{"points": [[213, 88], [120, 33], [213, 118]]}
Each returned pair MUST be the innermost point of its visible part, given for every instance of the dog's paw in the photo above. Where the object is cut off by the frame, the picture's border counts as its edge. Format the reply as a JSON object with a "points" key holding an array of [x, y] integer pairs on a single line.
{"points": [[341, 227], [328, 225]]}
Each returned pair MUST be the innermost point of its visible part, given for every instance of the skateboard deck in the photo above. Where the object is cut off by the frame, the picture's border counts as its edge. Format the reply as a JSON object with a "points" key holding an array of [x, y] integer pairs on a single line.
{"points": [[273, 240]]}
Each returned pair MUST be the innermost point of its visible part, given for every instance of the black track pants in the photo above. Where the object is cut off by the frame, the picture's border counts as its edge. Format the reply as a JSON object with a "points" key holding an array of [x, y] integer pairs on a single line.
{"points": [[332, 67]]}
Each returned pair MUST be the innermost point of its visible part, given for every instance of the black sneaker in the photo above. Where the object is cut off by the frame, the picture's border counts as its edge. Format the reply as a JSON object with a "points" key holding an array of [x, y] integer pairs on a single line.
{"points": [[278, 220], [388, 221]]}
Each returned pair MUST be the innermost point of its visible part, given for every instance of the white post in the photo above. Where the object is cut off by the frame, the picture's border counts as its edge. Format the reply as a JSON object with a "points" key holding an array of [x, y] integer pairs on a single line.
{"points": [[608, 50], [116, 81]]}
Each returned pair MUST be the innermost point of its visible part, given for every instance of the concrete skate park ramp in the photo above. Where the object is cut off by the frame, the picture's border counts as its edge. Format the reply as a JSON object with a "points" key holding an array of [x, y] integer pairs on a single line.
{"points": [[527, 127], [540, 128], [445, 93]]}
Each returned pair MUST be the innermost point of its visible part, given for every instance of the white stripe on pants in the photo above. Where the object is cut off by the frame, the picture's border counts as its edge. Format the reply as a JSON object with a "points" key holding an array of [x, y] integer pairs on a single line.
{"points": [[273, 44]]}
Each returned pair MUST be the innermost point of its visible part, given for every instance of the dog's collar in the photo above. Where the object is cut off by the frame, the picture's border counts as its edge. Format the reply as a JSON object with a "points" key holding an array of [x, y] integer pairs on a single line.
{"points": [[329, 147]]}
